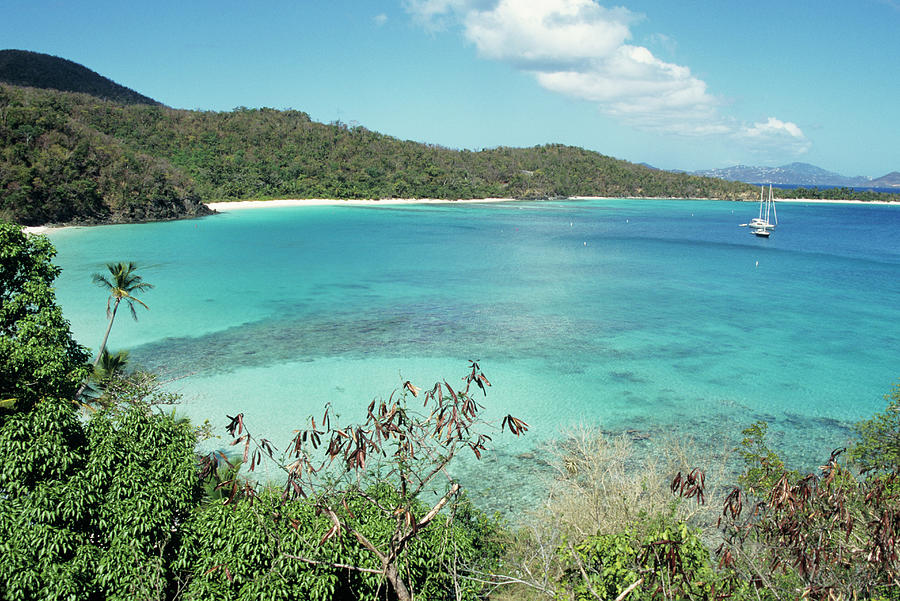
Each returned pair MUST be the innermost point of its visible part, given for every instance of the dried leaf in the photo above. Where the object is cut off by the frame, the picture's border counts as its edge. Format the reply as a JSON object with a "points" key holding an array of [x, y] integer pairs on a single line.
{"points": [[331, 532]]}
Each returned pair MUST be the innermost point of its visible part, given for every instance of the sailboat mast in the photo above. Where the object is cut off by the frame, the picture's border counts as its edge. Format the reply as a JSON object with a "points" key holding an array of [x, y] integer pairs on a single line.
{"points": [[761, 191], [772, 199]]}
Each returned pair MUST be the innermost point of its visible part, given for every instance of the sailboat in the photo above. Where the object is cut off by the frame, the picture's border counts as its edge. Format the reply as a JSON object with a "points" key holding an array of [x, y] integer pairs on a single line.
{"points": [[761, 225]]}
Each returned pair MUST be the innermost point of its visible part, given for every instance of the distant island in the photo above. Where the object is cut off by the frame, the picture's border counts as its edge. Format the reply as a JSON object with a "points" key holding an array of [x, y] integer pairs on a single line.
{"points": [[78, 148], [800, 174]]}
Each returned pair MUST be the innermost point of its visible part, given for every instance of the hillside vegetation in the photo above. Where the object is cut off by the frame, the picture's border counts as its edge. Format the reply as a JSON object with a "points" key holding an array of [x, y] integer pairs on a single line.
{"points": [[56, 169], [67, 157]]}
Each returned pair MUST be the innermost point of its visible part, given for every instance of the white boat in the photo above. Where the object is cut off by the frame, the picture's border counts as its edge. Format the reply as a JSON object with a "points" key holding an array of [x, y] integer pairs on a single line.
{"points": [[761, 232], [766, 210]]}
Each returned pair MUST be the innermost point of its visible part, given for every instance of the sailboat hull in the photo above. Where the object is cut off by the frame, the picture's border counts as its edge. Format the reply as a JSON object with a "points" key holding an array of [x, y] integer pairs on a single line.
{"points": [[762, 222]]}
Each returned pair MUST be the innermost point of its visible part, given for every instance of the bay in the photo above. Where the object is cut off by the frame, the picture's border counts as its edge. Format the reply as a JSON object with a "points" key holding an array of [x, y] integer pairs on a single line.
{"points": [[658, 317]]}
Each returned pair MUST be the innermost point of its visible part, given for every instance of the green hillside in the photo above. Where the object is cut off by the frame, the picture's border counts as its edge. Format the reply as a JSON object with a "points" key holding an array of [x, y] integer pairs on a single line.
{"points": [[250, 153], [75, 158], [55, 168], [98, 152]]}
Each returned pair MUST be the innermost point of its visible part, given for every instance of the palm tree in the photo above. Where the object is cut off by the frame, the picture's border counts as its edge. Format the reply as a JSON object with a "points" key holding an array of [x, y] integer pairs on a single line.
{"points": [[110, 368], [123, 284]]}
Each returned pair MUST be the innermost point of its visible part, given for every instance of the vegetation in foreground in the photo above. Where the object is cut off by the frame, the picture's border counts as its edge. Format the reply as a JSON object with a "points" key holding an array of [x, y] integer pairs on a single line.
{"points": [[106, 498]]}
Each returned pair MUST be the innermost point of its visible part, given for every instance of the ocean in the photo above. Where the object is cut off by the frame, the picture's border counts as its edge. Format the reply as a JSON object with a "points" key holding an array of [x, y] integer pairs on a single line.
{"points": [[658, 318]]}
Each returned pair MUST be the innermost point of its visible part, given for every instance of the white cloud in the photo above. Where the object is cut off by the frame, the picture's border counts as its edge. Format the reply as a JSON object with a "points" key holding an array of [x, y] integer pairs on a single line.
{"points": [[771, 126], [582, 49], [579, 48], [547, 33], [380, 20], [774, 134]]}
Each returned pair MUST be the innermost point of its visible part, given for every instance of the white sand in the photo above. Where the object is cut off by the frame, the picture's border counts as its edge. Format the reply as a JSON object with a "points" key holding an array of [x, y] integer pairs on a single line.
{"points": [[224, 207], [308, 202]]}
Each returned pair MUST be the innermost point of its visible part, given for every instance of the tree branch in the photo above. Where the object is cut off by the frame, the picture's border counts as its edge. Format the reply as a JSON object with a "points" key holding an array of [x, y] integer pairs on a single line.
{"points": [[633, 586], [333, 564], [401, 543]]}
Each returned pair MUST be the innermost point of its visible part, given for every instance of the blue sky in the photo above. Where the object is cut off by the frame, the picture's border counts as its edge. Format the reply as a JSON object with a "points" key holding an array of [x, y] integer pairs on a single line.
{"points": [[680, 85]]}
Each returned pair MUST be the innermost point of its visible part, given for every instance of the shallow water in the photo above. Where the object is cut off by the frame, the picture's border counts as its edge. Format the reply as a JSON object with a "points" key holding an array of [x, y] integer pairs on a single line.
{"points": [[662, 317]]}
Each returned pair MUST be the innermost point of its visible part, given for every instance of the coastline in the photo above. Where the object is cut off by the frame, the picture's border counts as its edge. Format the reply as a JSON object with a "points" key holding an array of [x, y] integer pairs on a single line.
{"points": [[828, 201], [40, 229], [310, 202], [236, 205]]}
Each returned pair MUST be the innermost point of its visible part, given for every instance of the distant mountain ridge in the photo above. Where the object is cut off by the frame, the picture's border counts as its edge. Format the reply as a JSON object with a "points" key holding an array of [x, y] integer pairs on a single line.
{"points": [[37, 70], [891, 180], [798, 174]]}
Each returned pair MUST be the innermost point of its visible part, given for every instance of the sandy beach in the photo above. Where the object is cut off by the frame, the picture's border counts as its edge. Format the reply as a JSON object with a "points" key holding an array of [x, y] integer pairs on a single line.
{"points": [[309, 202], [223, 207], [37, 229]]}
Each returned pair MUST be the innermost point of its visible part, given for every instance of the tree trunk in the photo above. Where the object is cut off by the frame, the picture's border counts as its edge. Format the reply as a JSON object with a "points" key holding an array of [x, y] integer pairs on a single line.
{"points": [[390, 572], [112, 318]]}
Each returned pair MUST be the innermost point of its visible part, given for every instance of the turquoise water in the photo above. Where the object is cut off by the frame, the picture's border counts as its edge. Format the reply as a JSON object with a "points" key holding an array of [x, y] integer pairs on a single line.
{"points": [[663, 317]]}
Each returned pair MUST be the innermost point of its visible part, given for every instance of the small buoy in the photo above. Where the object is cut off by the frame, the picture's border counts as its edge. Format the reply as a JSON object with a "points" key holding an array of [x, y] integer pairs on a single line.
{"points": [[585, 243], [757, 263]]}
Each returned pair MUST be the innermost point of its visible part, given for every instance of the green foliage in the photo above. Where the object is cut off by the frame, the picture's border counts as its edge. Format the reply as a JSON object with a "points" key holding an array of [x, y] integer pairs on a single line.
{"points": [[92, 509], [878, 447], [38, 356], [109, 368], [265, 548], [56, 169], [763, 466], [143, 468], [610, 562], [671, 562]]}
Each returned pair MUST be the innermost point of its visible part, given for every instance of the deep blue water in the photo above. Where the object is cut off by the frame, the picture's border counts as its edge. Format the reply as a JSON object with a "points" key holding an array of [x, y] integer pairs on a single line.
{"points": [[663, 317]]}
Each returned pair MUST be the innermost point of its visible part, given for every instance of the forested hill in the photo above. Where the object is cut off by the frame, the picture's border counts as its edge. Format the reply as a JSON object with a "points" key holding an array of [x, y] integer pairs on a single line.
{"points": [[54, 168], [70, 157], [36, 70]]}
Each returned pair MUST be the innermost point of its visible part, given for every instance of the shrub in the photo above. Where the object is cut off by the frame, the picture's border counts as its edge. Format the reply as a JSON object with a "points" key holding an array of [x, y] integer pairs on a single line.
{"points": [[265, 548], [878, 448], [669, 563]]}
